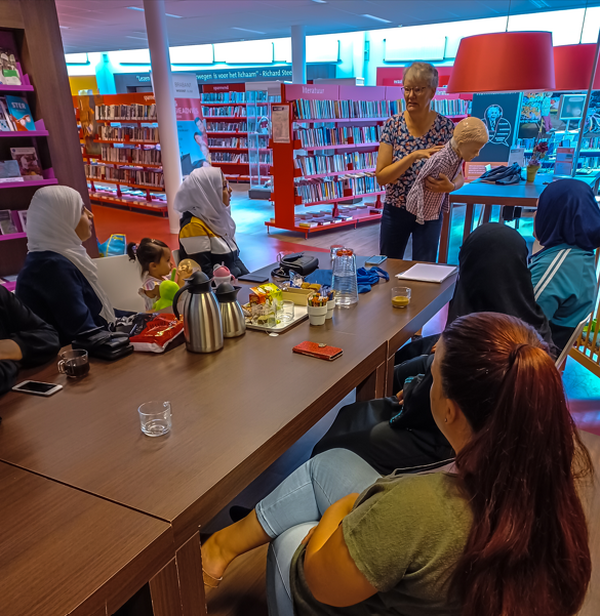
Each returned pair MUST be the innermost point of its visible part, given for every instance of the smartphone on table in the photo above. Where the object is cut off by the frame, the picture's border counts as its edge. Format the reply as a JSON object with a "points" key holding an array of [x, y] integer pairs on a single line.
{"points": [[37, 388], [375, 260]]}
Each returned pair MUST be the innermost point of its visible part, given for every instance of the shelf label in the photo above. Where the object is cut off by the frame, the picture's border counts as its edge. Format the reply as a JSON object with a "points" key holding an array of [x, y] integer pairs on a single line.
{"points": [[281, 123]]}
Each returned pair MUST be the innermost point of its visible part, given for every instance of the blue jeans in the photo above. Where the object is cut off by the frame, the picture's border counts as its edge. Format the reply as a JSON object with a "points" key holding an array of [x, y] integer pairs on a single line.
{"points": [[293, 508], [397, 225]]}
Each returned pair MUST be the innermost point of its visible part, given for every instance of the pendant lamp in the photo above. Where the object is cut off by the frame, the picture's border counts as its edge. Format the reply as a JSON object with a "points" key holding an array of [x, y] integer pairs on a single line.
{"points": [[504, 62], [573, 67]]}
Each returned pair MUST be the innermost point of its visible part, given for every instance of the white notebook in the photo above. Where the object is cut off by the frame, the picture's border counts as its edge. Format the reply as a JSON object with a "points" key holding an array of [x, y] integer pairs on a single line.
{"points": [[425, 272]]}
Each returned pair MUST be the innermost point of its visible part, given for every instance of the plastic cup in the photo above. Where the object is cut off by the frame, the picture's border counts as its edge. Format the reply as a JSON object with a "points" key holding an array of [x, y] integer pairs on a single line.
{"points": [[286, 314], [75, 364], [400, 297], [155, 418], [317, 314]]}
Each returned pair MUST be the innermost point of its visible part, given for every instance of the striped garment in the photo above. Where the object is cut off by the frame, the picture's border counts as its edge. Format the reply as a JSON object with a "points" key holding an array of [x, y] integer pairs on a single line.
{"points": [[423, 203]]}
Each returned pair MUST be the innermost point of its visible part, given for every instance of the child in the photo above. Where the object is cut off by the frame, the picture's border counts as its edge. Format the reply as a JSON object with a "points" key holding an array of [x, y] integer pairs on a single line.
{"points": [[154, 257]]}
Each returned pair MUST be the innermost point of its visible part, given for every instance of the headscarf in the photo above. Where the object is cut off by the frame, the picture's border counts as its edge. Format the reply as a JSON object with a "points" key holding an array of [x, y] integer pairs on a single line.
{"points": [[53, 215], [493, 277], [201, 194], [567, 213]]}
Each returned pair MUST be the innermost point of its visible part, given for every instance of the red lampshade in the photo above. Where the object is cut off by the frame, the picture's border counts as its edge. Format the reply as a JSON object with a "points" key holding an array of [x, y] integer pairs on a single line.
{"points": [[573, 67], [504, 62]]}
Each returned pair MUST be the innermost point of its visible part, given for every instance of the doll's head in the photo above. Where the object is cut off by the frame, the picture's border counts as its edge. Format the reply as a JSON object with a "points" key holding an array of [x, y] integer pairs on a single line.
{"points": [[470, 135]]}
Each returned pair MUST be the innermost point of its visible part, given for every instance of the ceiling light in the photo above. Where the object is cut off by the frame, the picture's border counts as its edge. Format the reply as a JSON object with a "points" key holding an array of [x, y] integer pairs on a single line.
{"points": [[320, 1], [175, 16], [134, 8], [375, 18], [139, 38], [64, 27], [246, 30]]}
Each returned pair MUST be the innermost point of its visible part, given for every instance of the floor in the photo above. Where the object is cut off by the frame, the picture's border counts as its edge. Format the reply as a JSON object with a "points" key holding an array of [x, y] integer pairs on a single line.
{"points": [[243, 593]]}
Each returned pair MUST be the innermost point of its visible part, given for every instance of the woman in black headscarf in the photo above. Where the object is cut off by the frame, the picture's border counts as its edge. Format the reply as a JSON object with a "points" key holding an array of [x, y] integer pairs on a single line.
{"points": [[399, 432], [563, 273]]}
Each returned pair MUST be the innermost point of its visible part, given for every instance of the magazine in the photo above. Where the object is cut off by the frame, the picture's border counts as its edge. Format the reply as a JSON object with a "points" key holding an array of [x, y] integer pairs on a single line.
{"points": [[23, 220], [7, 226], [10, 171], [28, 163], [9, 72], [5, 121], [19, 112]]}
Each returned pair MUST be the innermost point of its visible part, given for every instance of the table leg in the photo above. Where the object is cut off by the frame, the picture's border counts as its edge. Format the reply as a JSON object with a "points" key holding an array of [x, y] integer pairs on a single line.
{"points": [[445, 237], [468, 221], [164, 590], [389, 376], [487, 213], [373, 386], [189, 568]]}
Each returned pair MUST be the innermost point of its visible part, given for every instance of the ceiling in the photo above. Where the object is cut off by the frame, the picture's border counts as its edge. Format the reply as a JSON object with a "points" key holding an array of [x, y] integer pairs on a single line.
{"points": [[108, 25]]}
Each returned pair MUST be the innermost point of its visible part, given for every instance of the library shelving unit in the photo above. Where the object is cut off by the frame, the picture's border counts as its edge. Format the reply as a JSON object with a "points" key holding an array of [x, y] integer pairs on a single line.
{"points": [[330, 155], [30, 31], [122, 156], [225, 113]]}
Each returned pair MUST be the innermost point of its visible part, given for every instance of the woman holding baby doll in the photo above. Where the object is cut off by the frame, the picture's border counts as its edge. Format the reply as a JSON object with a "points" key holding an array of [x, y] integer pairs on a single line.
{"points": [[409, 139]]}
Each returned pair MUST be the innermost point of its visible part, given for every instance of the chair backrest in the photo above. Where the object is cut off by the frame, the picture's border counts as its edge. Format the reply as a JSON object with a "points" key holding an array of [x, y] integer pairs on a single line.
{"points": [[121, 278], [574, 337], [175, 255], [590, 497]]}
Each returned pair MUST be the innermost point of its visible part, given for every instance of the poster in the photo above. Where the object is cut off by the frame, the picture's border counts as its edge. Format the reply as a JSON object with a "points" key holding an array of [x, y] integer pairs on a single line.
{"points": [[500, 112], [280, 118], [564, 161]]}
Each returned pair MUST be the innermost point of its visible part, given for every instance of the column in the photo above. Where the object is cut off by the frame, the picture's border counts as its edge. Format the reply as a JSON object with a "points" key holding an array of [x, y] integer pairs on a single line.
{"points": [[298, 55], [164, 91], [105, 77]]}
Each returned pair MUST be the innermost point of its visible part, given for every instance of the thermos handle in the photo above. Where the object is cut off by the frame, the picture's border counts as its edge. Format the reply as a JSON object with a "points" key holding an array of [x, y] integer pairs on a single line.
{"points": [[176, 298]]}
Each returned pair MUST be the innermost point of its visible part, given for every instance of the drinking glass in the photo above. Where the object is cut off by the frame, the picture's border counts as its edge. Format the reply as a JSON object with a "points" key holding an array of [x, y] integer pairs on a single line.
{"points": [[400, 297], [155, 418], [75, 363], [287, 311]]}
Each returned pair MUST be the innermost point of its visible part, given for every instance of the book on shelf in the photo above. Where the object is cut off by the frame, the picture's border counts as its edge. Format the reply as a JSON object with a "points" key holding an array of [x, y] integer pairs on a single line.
{"points": [[313, 137], [19, 112], [10, 172], [23, 220], [131, 111], [29, 163], [9, 71], [343, 109], [7, 223], [6, 124]]}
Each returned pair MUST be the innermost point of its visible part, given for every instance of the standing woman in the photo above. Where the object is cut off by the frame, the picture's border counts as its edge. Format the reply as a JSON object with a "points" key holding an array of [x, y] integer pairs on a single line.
{"points": [[407, 141]]}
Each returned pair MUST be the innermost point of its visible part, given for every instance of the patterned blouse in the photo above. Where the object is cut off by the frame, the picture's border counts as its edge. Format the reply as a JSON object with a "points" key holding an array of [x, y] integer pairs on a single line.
{"points": [[395, 132]]}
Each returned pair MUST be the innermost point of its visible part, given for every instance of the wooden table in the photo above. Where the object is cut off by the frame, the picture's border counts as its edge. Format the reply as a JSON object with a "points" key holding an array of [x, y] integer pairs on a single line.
{"points": [[524, 194], [67, 552], [234, 412]]}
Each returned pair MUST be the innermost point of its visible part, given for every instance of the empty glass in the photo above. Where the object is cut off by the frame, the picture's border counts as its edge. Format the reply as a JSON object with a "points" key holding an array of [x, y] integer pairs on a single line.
{"points": [[155, 418], [286, 314]]}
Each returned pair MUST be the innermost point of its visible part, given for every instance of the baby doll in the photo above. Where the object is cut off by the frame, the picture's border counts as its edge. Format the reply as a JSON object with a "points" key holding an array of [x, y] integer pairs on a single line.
{"points": [[470, 135]]}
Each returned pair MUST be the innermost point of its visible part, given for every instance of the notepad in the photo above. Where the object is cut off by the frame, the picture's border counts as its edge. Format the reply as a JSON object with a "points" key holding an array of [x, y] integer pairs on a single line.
{"points": [[425, 272]]}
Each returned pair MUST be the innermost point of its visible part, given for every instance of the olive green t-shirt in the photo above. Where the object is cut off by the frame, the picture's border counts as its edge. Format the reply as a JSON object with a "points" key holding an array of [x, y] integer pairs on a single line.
{"points": [[405, 534]]}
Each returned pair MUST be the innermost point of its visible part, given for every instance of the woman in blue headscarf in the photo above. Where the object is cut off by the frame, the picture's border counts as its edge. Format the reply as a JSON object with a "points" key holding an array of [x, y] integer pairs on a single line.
{"points": [[563, 273]]}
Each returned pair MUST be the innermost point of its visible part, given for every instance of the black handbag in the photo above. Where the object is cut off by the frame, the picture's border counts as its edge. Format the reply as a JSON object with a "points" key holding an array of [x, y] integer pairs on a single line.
{"points": [[503, 175], [298, 262], [100, 343]]}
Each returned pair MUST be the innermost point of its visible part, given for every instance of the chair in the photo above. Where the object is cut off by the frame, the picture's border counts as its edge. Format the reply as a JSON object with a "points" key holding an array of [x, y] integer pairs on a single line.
{"points": [[121, 278], [175, 255], [574, 337]]}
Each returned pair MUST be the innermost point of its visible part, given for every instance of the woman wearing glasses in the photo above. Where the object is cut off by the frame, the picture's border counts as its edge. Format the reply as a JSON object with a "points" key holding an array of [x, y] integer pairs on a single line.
{"points": [[408, 139]]}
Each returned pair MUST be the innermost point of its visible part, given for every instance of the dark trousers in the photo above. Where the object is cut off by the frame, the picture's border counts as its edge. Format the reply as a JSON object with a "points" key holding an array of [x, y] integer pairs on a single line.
{"points": [[397, 225]]}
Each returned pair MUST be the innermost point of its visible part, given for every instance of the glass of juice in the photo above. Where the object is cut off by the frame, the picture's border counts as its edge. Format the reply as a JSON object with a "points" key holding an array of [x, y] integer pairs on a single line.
{"points": [[400, 297]]}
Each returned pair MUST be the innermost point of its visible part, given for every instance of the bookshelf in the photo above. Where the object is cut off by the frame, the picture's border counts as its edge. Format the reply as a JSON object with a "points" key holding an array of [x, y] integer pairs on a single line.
{"points": [[30, 31], [331, 156], [121, 151]]}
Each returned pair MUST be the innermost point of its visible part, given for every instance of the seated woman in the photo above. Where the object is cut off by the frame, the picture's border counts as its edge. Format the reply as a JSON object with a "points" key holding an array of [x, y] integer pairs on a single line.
{"points": [[59, 281], [207, 228], [395, 433], [25, 340], [567, 225], [500, 532]]}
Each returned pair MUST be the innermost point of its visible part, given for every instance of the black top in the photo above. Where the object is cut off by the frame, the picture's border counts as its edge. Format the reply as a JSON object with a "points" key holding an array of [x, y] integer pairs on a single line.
{"points": [[38, 340], [60, 294], [493, 277]]}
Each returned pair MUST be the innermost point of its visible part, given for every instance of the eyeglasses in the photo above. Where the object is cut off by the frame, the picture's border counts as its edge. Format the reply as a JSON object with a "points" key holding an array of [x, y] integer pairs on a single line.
{"points": [[416, 91]]}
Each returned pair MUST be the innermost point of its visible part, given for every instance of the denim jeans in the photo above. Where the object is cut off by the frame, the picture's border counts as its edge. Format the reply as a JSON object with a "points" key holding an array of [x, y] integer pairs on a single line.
{"points": [[296, 505], [397, 225]]}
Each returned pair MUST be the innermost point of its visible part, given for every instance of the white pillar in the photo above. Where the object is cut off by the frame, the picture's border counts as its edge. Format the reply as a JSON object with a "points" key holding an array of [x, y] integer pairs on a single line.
{"points": [[298, 55], [164, 91]]}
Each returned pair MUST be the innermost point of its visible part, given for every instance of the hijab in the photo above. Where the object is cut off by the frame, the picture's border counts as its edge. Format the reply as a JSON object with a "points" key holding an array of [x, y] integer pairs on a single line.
{"points": [[567, 213], [493, 277], [53, 215], [201, 194]]}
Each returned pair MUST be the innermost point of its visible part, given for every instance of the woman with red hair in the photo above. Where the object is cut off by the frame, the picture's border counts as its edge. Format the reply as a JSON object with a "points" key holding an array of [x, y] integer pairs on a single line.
{"points": [[499, 532]]}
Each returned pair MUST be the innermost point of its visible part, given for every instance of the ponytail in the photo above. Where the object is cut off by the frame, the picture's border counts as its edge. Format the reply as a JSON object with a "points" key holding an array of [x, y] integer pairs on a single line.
{"points": [[527, 552], [131, 250], [146, 252]]}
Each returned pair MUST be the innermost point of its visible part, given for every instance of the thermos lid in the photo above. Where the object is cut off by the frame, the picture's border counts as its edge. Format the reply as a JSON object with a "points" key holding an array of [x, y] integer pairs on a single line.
{"points": [[198, 282], [226, 292]]}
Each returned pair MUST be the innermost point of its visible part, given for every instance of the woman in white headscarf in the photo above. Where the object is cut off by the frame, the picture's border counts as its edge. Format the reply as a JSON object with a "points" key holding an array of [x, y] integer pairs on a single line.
{"points": [[59, 281], [207, 228]]}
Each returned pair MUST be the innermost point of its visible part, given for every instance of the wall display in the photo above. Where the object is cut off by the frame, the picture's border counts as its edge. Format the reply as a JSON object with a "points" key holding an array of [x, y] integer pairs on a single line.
{"points": [[499, 111], [535, 114]]}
